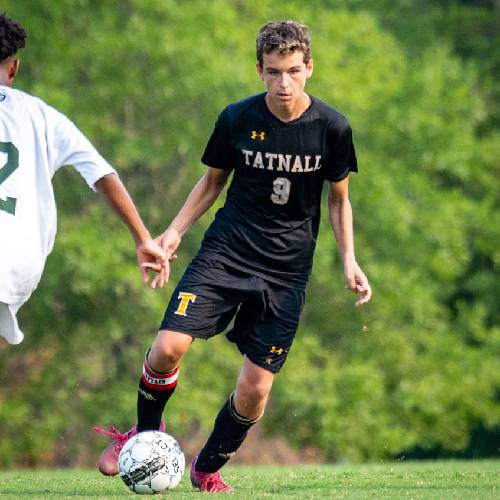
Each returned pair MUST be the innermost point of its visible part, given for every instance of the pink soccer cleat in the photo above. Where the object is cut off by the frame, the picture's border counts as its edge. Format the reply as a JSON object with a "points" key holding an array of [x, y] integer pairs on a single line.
{"points": [[108, 461], [208, 482]]}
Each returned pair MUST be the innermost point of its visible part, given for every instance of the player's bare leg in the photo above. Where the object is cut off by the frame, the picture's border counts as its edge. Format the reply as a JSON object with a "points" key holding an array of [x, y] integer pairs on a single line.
{"points": [[157, 384], [252, 390], [245, 406]]}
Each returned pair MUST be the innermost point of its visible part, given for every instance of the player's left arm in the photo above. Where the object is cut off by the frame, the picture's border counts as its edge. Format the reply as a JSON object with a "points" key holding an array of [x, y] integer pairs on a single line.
{"points": [[340, 211], [150, 255]]}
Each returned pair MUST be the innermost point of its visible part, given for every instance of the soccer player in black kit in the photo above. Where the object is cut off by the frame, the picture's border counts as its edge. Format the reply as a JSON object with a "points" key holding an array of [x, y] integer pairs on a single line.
{"points": [[256, 257]]}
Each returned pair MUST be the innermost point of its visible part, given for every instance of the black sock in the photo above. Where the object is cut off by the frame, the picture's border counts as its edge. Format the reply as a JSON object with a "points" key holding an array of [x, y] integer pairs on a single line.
{"points": [[154, 391], [230, 430]]}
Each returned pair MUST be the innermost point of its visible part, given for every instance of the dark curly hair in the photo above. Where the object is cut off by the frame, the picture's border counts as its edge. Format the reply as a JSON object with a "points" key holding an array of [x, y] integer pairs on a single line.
{"points": [[12, 37], [285, 37]]}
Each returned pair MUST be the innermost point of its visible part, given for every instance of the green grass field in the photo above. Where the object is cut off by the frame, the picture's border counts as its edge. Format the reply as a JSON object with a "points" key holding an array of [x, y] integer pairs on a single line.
{"points": [[408, 480]]}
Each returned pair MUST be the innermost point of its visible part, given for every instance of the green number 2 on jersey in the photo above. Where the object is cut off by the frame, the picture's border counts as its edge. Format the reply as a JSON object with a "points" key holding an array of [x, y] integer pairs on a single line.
{"points": [[9, 204]]}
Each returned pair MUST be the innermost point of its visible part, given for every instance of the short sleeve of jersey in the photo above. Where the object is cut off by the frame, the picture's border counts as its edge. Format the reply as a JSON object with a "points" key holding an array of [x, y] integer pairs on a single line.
{"points": [[219, 152], [341, 154], [68, 146]]}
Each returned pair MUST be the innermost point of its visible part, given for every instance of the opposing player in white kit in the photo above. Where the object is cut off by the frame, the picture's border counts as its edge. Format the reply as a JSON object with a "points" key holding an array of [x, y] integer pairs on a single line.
{"points": [[35, 141]]}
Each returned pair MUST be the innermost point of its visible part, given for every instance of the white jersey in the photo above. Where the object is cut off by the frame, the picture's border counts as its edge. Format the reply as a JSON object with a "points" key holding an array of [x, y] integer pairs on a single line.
{"points": [[35, 141]]}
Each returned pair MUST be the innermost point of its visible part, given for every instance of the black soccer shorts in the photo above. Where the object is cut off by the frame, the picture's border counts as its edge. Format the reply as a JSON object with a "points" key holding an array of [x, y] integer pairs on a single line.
{"points": [[211, 294]]}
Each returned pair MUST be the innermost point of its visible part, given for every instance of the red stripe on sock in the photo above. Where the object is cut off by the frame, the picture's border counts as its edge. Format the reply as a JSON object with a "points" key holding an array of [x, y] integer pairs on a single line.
{"points": [[160, 381]]}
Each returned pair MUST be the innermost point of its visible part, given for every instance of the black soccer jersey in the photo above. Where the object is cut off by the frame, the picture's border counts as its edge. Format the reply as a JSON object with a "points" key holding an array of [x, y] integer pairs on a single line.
{"points": [[269, 222]]}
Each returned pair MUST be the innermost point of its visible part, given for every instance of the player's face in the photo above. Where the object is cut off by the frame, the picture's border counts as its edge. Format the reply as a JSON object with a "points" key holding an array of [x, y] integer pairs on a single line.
{"points": [[285, 77]]}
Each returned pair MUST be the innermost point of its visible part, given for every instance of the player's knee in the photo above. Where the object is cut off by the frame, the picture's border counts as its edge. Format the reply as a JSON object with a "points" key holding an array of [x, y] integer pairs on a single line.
{"points": [[250, 405], [253, 388], [167, 350], [252, 395], [164, 356]]}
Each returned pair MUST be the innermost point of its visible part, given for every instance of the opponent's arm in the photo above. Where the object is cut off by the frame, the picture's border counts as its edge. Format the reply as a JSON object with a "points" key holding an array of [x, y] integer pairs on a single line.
{"points": [[340, 211], [118, 198], [201, 198]]}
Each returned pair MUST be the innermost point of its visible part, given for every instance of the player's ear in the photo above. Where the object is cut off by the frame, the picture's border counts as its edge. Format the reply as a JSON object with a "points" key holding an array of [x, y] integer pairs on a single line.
{"points": [[13, 68], [309, 68], [260, 71]]}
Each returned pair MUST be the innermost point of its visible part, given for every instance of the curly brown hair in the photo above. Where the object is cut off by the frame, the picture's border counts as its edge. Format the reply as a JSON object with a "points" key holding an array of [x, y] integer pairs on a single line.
{"points": [[12, 37], [284, 37]]}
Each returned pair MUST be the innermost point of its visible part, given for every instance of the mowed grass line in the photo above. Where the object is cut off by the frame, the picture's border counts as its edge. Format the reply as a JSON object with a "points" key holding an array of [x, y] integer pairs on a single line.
{"points": [[402, 480]]}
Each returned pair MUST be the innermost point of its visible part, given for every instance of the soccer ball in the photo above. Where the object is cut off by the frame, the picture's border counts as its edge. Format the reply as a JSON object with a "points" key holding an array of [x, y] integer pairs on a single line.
{"points": [[150, 462]]}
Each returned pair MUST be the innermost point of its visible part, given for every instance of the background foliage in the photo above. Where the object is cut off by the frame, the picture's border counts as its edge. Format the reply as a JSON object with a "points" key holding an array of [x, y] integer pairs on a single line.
{"points": [[414, 373]]}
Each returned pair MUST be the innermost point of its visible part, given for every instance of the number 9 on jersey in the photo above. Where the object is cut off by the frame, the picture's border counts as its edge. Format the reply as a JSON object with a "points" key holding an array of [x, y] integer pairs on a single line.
{"points": [[281, 190]]}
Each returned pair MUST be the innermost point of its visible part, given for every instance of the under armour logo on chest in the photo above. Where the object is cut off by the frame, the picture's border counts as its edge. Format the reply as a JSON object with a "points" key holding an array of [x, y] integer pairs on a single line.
{"points": [[258, 135]]}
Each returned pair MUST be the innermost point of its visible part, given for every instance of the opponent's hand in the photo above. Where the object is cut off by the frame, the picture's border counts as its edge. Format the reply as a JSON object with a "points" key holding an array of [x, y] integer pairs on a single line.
{"points": [[357, 282], [168, 241], [150, 256]]}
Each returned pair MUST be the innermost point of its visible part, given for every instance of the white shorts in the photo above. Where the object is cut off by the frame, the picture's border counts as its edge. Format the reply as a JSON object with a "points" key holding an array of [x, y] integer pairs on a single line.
{"points": [[9, 329]]}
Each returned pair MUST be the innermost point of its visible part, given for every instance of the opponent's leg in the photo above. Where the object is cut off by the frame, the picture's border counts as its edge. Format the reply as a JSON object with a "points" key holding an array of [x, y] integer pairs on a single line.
{"points": [[245, 406], [157, 384]]}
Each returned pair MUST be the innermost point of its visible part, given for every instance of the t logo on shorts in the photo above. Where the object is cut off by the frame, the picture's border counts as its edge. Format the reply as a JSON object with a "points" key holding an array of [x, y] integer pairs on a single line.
{"points": [[185, 299]]}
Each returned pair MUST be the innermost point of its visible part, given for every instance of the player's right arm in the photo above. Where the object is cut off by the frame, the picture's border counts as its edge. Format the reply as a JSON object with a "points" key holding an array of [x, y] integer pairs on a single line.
{"points": [[201, 198]]}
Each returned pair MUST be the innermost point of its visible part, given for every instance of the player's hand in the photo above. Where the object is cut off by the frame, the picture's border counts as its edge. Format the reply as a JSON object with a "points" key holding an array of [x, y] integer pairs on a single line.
{"points": [[150, 256], [357, 282], [169, 241]]}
